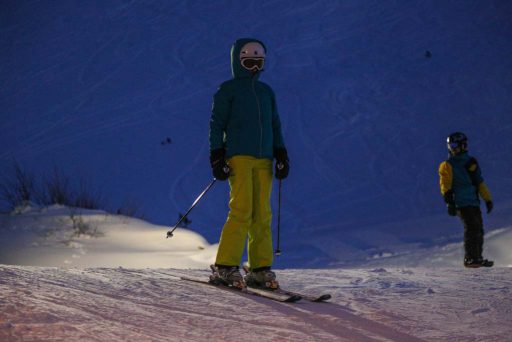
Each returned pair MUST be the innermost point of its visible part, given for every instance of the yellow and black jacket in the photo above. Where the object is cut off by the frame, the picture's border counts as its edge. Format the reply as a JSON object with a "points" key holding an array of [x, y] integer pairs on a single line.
{"points": [[461, 174]]}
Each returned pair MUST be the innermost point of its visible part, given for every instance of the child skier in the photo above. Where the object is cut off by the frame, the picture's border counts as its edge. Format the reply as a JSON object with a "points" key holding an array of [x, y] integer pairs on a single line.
{"points": [[461, 185], [245, 136]]}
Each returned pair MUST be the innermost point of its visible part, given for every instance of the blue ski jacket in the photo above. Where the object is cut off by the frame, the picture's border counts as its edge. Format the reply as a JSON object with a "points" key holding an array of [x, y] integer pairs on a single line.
{"points": [[244, 119], [462, 175]]}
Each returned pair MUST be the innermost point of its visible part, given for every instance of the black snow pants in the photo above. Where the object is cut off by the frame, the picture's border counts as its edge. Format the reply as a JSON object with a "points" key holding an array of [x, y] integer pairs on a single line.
{"points": [[471, 218]]}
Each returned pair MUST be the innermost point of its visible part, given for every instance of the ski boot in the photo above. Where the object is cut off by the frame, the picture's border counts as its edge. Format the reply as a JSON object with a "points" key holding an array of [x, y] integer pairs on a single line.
{"points": [[261, 277], [227, 276], [471, 263], [486, 263], [476, 263]]}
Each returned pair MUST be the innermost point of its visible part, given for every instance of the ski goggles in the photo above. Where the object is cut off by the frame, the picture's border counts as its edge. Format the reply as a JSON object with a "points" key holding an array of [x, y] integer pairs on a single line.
{"points": [[252, 63], [461, 145], [453, 145]]}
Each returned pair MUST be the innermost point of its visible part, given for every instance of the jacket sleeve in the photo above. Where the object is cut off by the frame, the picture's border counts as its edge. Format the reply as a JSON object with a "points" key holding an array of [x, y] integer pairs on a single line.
{"points": [[484, 192], [445, 177], [276, 125], [221, 110]]}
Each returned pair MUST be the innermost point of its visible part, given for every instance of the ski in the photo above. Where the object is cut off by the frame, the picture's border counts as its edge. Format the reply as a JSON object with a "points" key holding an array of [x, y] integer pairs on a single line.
{"points": [[312, 298], [280, 297]]}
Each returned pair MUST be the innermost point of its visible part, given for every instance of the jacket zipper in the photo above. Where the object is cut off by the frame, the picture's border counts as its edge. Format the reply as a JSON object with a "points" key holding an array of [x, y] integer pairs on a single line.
{"points": [[259, 116]]}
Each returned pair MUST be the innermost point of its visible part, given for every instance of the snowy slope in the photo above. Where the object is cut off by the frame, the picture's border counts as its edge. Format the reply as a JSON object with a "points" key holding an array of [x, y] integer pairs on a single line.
{"points": [[44, 236], [118, 304], [122, 284], [94, 88]]}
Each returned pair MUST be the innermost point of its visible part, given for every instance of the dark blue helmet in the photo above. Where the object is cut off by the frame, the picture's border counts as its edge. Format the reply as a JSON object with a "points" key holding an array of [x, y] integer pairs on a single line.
{"points": [[457, 142]]}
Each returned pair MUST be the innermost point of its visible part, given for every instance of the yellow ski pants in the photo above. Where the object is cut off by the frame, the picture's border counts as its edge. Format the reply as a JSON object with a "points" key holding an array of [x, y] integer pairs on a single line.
{"points": [[250, 215]]}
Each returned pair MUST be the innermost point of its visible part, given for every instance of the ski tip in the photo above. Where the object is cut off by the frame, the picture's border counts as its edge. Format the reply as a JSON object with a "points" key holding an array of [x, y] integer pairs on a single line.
{"points": [[323, 298], [293, 299]]}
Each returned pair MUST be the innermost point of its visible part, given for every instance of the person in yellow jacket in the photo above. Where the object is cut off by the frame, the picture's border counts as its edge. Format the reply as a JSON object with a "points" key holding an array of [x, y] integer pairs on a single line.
{"points": [[462, 185], [245, 137]]}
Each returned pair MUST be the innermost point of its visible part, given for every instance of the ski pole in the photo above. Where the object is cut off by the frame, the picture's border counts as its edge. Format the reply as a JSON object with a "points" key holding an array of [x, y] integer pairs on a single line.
{"points": [[278, 250], [170, 233]]}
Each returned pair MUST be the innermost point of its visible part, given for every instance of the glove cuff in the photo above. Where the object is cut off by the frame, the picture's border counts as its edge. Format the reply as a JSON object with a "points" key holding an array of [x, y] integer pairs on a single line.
{"points": [[216, 155], [281, 154]]}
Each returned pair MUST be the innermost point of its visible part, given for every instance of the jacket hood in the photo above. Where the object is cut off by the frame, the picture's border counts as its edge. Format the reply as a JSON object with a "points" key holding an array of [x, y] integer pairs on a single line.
{"points": [[236, 68]]}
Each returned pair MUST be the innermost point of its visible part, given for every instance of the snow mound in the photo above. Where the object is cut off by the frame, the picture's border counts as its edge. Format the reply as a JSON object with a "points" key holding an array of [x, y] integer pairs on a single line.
{"points": [[61, 236]]}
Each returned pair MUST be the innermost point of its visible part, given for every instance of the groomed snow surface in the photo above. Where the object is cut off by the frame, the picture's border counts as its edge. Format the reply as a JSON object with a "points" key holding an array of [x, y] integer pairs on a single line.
{"points": [[111, 304], [123, 285]]}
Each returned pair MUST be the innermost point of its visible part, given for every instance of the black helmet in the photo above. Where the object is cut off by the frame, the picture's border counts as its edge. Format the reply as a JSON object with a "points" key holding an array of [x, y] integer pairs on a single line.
{"points": [[457, 142]]}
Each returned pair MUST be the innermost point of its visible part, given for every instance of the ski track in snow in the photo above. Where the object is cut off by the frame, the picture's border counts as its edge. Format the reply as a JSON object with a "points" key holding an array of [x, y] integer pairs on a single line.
{"points": [[134, 303], [99, 304]]}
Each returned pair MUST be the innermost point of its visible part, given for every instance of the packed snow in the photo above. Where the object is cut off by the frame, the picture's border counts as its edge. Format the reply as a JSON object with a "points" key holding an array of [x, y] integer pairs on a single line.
{"points": [[382, 304], [119, 281]]}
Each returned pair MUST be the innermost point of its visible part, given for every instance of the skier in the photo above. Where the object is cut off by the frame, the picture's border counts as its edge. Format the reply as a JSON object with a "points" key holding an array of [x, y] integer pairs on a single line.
{"points": [[461, 186], [245, 136]]}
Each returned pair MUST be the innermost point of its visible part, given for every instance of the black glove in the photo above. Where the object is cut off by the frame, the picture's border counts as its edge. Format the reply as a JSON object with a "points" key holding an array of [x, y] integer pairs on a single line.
{"points": [[220, 168], [452, 210], [489, 206], [282, 165], [450, 203], [448, 198]]}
